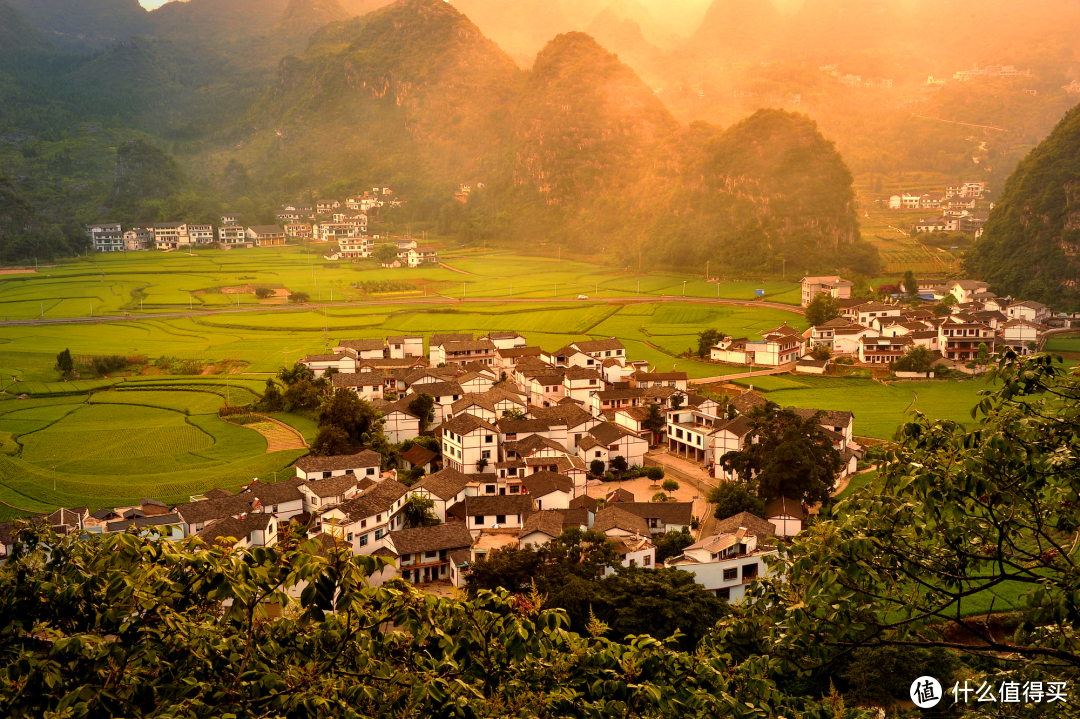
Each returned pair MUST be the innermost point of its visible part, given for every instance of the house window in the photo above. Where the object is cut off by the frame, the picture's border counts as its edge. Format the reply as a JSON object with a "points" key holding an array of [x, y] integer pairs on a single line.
{"points": [[647, 561], [378, 517], [325, 475], [501, 519], [489, 438], [363, 540], [370, 471], [512, 471], [349, 471], [485, 454], [379, 534], [724, 594], [749, 571], [363, 523], [348, 537], [730, 574], [478, 520], [514, 489], [597, 454], [489, 489], [431, 555]]}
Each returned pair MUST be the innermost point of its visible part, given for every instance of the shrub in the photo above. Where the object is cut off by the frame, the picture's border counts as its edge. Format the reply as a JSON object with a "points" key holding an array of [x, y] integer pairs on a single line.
{"points": [[263, 292], [656, 472]]}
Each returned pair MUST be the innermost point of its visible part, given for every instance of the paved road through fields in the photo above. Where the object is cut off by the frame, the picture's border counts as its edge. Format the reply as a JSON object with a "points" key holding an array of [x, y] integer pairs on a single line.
{"points": [[416, 301]]}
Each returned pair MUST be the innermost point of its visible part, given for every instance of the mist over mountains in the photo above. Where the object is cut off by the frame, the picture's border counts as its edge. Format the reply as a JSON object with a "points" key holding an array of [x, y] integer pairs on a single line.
{"points": [[583, 121]]}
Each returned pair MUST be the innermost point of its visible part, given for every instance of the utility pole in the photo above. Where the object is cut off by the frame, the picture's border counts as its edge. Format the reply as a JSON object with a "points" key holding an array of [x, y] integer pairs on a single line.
{"points": [[42, 310], [706, 270], [684, 288], [556, 290], [91, 308], [462, 290]]}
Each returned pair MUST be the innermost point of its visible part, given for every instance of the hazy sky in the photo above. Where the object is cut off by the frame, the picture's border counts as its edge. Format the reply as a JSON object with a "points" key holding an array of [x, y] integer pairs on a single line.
{"points": [[151, 4]]}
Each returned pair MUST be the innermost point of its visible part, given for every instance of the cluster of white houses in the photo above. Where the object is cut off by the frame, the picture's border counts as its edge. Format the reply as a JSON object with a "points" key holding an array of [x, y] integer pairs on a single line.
{"points": [[344, 223], [957, 208], [876, 333], [517, 432]]}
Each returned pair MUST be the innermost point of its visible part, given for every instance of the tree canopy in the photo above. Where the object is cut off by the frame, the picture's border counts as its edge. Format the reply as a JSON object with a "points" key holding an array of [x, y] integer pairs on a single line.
{"points": [[130, 625], [822, 308], [958, 518], [786, 455]]}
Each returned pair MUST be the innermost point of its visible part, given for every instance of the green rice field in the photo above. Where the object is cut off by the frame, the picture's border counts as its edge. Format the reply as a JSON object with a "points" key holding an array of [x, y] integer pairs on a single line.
{"points": [[148, 432]]}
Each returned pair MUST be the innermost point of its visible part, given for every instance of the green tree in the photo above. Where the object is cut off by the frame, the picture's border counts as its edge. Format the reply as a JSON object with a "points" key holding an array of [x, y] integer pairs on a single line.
{"points": [[331, 441], [670, 486], [423, 406], [911, 285], [299, 298], [263, 292], [660, 497], [656, 472], [734, 497], [898, 576], [272, 401], [183, 625], [619, 464], [984, 354], [949, 300], [354, 415], [64, 364], [786, 455], [672, 544], [292, 375], [918, 358], [303, 395], [821, 352], [597, 467], [386, 253], [707, 339], [420, 512], [882, 676], [513, 414], [656, 421], [941, 309], [822, 308], [676, 401]]}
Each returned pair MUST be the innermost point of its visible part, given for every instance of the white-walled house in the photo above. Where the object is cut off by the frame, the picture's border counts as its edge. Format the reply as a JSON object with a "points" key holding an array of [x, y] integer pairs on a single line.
{"points": [[400, 424], [507, 511], [444, 488], [549, 490], [338, 362], [788, 516], [365, 463], [608, 440], [405, 346], [425, 554], [579, 382], [602, 349], [362, 349], [368, 385], [832, 285], [662, 517], [364, 521], [469, 444], [1018, 333], [725, 564], [322, 493]]}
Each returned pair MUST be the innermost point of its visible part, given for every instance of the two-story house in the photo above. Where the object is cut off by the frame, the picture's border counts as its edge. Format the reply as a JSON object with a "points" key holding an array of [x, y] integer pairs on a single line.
{"points": [[364, 520], [469, 444], [726, 563], [425, 554], [365, 463]]}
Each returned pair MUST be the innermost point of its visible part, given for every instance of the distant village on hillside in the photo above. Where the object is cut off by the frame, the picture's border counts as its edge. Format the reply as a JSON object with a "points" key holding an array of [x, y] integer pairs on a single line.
{"points": [[332, 221], [958, 203]]}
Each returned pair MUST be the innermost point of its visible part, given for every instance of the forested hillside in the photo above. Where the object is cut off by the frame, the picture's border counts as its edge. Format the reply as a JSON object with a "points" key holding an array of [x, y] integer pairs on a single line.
{"points": [[1032, 240]]}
